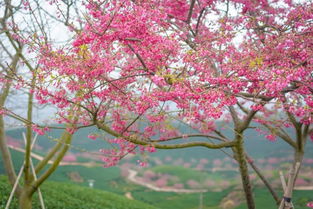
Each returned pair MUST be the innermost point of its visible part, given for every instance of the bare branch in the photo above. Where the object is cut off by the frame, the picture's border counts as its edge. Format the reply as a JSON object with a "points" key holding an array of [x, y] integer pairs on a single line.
{"points": [[192, 4]]}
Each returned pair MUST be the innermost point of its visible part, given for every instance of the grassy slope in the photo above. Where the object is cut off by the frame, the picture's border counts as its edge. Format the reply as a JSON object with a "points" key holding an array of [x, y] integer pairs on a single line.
{"points": [[168, 200], [264, 200], [108, 179], [69, 196], [212, 200], [184, 174], [102, 176]]}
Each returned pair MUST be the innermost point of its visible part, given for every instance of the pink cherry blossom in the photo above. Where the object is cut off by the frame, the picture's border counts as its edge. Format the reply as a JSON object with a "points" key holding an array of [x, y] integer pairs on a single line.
{"points": [[309, 204]]}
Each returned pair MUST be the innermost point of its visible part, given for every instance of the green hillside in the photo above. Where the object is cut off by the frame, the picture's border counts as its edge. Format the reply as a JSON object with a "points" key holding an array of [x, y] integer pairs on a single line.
{"points": [[213, 200], [264, 200], [70, 196], [184, 174], [109, 179], [103, 177]]}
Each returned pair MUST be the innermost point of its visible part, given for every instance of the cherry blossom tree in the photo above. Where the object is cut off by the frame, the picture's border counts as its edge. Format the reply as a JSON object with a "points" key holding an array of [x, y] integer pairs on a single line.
{"points": [[23, 25], [194, 61], [137, 66], [155, 61]]}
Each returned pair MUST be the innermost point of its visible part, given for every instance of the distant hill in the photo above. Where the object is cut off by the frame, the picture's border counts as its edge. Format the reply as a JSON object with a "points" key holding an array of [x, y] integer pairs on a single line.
{"points": [[256, 145], [70, 196]]}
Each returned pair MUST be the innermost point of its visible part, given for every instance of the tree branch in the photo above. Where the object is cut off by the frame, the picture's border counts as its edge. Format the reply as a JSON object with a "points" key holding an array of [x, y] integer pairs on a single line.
{"points": [[190, 136], [192, 4], [66, 137], [136, 140], [234, 115]]}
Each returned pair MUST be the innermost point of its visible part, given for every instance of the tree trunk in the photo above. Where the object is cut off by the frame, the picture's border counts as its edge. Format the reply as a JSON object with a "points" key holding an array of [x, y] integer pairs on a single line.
{"points": [[6, 157], [4, 149], [298, 158], [243, 168], [25, 199]]}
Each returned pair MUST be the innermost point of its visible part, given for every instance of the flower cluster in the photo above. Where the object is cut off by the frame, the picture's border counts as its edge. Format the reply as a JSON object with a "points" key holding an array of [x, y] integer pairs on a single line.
{"points": [[140, 61]]}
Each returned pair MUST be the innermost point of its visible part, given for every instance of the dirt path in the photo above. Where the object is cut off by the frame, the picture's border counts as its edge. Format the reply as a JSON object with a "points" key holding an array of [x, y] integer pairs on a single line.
{"points": [[304, 188], [132, 177]]}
